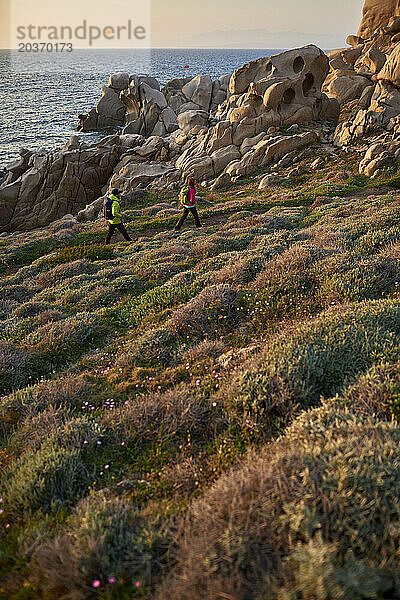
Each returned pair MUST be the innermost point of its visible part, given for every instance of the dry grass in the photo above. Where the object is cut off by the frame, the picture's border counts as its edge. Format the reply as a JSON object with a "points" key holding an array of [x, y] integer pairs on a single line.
{"points": [[33, 400], [164, 415], [203, 350], [242, 540], [61, 272], [199, 315], [169, 361]]}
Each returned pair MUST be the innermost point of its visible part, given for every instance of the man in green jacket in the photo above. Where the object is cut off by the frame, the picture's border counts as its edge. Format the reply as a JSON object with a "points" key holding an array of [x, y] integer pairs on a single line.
{"points": [[115, 222]]}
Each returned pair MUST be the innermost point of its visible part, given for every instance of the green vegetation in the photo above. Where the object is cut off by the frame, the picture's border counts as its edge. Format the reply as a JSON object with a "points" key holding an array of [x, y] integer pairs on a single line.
{"points": [[70, 253], [210, 414]]}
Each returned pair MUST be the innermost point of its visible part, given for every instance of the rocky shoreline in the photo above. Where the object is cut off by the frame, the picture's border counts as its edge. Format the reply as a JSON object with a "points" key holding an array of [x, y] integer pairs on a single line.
{"points": [[244, 123]]}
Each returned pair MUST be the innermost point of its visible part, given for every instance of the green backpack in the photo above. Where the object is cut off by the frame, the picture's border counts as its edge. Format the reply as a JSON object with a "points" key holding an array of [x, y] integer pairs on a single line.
{"points": [[184, 196]]}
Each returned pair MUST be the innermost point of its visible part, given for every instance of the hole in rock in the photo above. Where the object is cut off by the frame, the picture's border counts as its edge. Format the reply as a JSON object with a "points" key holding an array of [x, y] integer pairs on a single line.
{"points": [[288, 96], [268, 68], [298, 64], [308, 83]]}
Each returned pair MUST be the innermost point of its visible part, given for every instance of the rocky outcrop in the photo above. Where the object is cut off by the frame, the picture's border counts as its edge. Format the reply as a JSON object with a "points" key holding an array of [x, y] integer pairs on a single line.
{"points": [[345, 85], [147, 112], [377, 14], [374, 109], [268, 152], [390, 71], [110, 112], [192, 118], [373, 56], [216, 130], [280, 90], [199, 91], [383, 107], [379, 156], [137, 103], [44, 186], [129, 175]]}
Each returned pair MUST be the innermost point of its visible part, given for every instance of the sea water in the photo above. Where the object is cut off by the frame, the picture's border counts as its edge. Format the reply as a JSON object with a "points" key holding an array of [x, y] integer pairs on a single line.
{"points": [[41, 94]]}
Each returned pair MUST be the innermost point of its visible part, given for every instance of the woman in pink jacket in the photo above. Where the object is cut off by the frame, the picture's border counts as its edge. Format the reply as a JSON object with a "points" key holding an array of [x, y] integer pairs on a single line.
{"points": [[188, 201]]}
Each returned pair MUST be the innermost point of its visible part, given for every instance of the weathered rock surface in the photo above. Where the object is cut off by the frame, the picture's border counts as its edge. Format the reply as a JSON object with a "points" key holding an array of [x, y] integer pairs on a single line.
{"points": [[280, 90], [110, 112], [376, 14], [137, 102], [192, 118], [390, 71], [199, 91], [268, 152], [56, 183], [119, 81], [345, 85], [130, 175], [268, 181], [374, 115], [378, 156], [147, 111], [373, 61], [384, 106], [216, 130]]}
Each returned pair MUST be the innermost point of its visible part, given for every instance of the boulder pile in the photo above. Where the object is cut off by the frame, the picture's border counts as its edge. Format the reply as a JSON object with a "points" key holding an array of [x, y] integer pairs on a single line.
{"points": [[267, 113], [368, 73], [217, 130]]}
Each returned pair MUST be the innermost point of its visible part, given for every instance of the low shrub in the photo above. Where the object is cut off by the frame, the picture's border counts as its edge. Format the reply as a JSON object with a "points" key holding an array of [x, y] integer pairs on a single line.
{"points": [[376, 392], [163, 415], [205, 312], [241, 271], [61, 341], [91, 252], [107, 540], [20, 293], [58, 428], [231, 244], [45, 480], [14, 364], [36, 429], [354, 280], [319, 358], [153, 348], [14, 329], [314, 516], [31, 401], [28, 253], [31, 309], [176, 291], [6, 308], [215, 263], [291, 268], [203, 350], [63, 271], [373, 241]]}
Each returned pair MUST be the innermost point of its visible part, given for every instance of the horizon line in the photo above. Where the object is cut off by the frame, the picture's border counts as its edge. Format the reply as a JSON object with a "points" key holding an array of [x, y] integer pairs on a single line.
{"points": [[172, 48]]}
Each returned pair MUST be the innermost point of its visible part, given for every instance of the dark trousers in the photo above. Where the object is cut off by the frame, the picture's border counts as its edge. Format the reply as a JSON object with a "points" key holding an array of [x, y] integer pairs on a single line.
{"points": [[186, 211], [121, 229]]}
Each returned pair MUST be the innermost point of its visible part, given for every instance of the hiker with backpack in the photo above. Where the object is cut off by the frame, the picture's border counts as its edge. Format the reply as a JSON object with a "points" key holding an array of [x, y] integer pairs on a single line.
{"points": [[113, 216], [187, 198]]}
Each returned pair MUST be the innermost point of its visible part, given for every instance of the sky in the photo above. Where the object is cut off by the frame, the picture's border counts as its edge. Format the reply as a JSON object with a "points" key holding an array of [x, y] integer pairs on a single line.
{"points": [[175, 22], [219, 23]]}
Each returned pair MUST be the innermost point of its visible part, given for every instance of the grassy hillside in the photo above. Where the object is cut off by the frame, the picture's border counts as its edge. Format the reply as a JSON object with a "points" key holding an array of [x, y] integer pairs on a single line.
{"points": [[209, 414]]}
